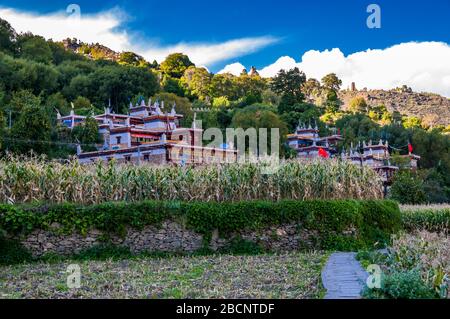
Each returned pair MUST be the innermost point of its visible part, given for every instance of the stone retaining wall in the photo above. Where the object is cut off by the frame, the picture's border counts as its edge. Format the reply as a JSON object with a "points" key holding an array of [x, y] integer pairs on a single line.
{"points": [[169, 237]]}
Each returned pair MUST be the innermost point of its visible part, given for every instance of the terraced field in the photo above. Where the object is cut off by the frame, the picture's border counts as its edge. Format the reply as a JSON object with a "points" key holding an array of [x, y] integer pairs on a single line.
{"points": [[295, 275]]}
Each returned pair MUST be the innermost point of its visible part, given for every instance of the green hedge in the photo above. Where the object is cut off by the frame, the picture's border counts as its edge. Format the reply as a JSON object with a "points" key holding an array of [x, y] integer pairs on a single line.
{"points": [[428, 219], [373, 221]]}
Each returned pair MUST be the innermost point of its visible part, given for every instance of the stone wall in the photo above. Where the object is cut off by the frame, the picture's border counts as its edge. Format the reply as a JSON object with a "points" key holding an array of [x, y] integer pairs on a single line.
{"points": [[169, 237]]}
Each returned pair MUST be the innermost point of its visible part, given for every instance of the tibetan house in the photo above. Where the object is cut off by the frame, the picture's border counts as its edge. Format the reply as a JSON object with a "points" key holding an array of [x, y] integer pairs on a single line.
{"points": [[378, 157], [308, 144], [148, 134]]}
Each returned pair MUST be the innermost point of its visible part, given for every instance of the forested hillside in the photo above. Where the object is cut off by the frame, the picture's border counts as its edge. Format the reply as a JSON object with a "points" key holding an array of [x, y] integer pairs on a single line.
{"points": [[40, 77]]}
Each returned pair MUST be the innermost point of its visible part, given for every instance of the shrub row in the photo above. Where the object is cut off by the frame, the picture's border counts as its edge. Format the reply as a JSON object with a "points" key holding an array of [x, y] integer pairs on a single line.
{"points": [[369, 221], [431, 219]]}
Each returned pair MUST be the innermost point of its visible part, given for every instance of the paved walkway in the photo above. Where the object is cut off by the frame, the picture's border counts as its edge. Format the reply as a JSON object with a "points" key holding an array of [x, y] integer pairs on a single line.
{"points": [[343, 277]]}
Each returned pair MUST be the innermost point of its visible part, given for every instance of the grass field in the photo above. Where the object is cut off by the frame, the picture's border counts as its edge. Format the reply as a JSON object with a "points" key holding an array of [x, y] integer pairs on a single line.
{"points": [[295, 275]]}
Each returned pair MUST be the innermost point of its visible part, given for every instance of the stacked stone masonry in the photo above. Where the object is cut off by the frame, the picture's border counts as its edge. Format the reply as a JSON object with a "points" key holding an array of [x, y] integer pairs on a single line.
{"points": [[169, 237]]}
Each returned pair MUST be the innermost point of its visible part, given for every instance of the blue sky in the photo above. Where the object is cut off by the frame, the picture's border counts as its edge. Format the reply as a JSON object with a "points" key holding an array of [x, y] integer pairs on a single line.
{"points": [[280, 28]]}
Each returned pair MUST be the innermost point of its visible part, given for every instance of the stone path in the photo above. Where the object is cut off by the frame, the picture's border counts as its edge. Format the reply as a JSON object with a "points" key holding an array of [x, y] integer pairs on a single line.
{"points": [[343, 277]]}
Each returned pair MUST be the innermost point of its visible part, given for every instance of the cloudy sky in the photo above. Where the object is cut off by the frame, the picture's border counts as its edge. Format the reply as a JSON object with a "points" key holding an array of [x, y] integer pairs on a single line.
{"points": [[412, 46]]}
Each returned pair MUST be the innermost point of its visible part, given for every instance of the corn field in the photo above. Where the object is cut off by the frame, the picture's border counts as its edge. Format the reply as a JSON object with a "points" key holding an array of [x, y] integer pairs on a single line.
{"points": [[35, 179]]}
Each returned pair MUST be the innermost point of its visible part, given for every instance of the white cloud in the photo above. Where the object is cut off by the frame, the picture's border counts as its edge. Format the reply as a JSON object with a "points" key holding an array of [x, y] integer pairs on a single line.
{"points": [[101, 27], [424, 66], [234, 68], [104, 27], [210, 53], [283, 63]]}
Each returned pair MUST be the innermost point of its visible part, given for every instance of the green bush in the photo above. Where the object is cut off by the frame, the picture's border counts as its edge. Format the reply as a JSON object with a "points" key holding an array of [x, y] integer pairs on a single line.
{"points": [[340, 224], [408, 188], [12, 252], [370, 257], [239, 246], [402, 285], [103, 252]]}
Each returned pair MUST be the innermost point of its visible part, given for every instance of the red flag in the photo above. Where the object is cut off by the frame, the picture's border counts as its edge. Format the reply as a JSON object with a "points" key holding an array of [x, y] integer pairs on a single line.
{"points": [[410, 148], [323, 153]]}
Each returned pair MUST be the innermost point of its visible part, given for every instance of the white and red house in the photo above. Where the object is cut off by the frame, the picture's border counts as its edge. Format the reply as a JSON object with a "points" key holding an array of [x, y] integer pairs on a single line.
{"points": [[148, 134]]}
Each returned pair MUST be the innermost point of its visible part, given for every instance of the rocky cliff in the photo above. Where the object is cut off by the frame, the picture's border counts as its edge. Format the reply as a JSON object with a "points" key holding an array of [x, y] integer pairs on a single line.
{"points": [[93, 51]]}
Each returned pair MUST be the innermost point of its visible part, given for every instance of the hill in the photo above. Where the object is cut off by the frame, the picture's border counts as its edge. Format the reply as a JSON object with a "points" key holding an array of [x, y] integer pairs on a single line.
{"points": [[94, 51], [431, 108]]}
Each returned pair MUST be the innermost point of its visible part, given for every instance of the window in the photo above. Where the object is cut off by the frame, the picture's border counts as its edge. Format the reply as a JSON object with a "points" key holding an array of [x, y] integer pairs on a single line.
{"points": [[119, 139], [128, 158], [146, 157]]}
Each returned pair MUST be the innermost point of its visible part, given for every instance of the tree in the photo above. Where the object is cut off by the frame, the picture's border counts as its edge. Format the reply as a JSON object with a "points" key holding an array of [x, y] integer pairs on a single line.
{"points": [[31, 131], [407, 188], [22, 100], [331, 82], [79, 85], [224, 84], [411, 121], [119, 84], [197, 82], [270, 97], [289, 86], [377, 113], [249, 88], [358, 105], [358, 127], [60, 54], [132, 59], [36, 48], [87, 134], [331, 85], [386, 118], [224, 117], [38, 77], [397, 117], [154, 65], [69, 69], [311, 88], [55, 102], [259, 116], [332, 102], [8, 37], [221, 101], [81, 103], [172, 85], [176, 64]]}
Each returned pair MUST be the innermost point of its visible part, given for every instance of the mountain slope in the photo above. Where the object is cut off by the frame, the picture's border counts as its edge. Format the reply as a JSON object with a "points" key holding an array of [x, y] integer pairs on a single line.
{"points": [[432, 109]]}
